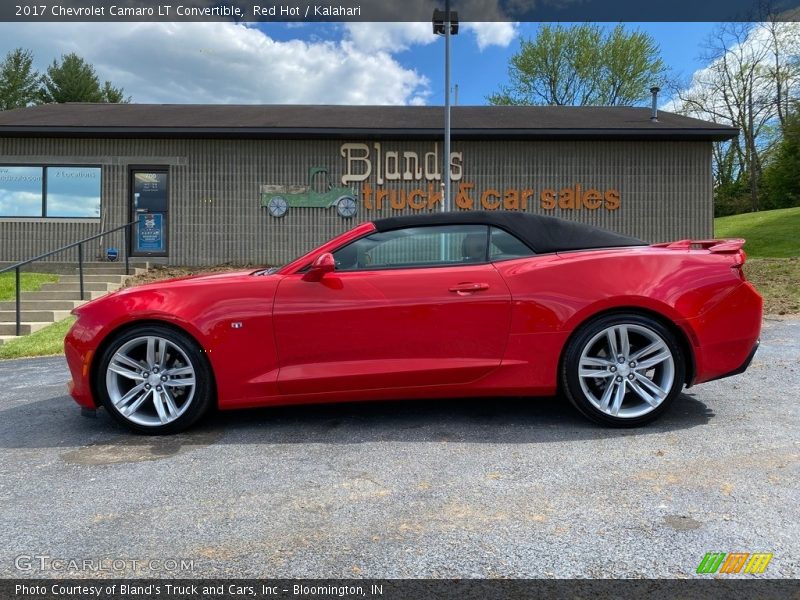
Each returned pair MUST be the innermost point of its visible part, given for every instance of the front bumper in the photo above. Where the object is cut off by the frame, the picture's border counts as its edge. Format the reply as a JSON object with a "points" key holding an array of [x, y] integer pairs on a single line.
{"points": [[79, 352]]}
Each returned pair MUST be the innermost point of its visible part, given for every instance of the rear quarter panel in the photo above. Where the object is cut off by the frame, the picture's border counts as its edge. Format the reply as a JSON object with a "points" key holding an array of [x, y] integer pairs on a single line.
{"points": [[554, 294]]}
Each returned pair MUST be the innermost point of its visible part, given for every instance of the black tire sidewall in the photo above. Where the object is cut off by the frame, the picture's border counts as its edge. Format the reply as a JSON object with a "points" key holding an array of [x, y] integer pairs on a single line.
{"points": [[569, 370], [203, 394]]}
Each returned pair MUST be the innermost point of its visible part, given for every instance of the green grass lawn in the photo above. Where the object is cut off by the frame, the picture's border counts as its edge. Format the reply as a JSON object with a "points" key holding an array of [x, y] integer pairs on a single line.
{"points": [[49, 340], [30, 283], [778, 282], [769, 233], [45, 342], [773, 254]]}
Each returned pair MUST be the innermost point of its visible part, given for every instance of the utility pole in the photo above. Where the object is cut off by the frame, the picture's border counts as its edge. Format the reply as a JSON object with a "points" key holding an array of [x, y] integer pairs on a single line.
{"points": [[446, 24], [446, 171]]}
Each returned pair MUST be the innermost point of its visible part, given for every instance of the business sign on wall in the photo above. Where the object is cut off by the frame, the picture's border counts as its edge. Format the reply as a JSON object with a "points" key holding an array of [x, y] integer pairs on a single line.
{"points": [[375, 170], [372, 174]]}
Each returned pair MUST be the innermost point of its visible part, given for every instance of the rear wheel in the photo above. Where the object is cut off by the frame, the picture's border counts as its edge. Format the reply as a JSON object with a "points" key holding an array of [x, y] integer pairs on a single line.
{"points": [[346, 207], [277, 206], [154, 379], [623, 370]]}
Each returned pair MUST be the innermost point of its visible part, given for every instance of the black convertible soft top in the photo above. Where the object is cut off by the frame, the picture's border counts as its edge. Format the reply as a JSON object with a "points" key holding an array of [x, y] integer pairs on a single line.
{"points": [[542, 234]]}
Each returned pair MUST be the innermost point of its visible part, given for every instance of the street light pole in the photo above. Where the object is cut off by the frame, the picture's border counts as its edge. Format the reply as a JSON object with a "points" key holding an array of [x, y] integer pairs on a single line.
{"points": [[446, 24], [446, 171]]}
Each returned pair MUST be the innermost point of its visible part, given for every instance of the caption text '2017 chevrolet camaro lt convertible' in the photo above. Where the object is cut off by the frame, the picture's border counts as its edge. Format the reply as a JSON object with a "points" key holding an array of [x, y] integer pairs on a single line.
{"points": [[444, 305]]}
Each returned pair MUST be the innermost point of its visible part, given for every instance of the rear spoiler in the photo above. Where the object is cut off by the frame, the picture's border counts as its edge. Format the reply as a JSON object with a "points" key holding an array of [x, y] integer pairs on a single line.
{"points": [[732, 246]]}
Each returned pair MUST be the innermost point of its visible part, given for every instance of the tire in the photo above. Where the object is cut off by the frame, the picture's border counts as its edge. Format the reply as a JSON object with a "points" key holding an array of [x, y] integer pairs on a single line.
{"points": [[132, 374], [278, 206], [650, 368], [347, 207]]}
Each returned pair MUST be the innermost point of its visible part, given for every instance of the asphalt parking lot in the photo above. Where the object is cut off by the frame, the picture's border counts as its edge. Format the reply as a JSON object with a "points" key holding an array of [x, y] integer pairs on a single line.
{"points": [[511, 488]]}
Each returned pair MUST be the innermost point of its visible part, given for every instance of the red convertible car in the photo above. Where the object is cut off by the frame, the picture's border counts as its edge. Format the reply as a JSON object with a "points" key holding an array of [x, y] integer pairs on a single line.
{"points": [[445, 305]]}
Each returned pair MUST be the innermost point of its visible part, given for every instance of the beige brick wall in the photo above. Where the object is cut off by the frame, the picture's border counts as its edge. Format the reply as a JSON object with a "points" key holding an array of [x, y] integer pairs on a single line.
{"points": [[215, 214]]}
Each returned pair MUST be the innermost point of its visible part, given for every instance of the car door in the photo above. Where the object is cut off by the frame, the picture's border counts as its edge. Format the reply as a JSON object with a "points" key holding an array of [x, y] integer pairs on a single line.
{"points": [[412, 307]]}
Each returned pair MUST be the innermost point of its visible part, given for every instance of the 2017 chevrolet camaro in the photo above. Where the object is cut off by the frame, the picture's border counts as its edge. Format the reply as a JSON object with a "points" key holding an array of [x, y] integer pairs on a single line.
{"points": [[446, 305]]}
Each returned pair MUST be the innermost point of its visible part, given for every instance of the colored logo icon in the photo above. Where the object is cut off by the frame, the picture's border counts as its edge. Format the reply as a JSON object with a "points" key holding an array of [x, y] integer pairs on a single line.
{"points": [[735, 562]]}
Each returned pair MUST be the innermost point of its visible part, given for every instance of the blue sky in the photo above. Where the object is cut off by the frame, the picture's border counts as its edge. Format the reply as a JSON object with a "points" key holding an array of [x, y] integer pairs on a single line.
{"points": [[314, 63], [477, 73]]}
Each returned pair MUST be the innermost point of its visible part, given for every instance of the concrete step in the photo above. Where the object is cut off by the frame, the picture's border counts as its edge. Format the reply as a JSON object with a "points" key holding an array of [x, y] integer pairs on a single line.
{"points": [[37, 316], [41, 304], [26, 328], [61, 295], [90, 277], [89, 286], [104, 270], [46, 266], [6, 338]]}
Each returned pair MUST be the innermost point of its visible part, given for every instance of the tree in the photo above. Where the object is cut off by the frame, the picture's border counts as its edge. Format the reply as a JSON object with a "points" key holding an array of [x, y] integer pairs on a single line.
{"points": [[750, 80], [781, 178], [75, 80], [114, 95], [19, 81], [583, 65]]}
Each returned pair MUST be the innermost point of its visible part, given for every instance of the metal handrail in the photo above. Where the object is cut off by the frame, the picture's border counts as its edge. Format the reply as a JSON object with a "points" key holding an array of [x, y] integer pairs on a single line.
{"points": [[16, 267]]}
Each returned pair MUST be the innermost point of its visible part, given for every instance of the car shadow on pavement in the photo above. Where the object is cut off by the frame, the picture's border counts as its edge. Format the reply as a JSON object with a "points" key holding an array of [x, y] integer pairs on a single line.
{"points": [[57, 423]]}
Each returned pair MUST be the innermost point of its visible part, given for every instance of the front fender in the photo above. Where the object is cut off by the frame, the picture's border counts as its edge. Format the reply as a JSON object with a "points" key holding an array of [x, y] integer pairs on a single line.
{"points": [[231, 320]]}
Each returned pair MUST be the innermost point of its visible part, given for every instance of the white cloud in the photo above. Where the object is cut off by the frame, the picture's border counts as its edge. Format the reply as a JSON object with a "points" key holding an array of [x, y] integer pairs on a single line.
{"points": [[228, 63], [396, 37], [498, 33], [389, 37]]}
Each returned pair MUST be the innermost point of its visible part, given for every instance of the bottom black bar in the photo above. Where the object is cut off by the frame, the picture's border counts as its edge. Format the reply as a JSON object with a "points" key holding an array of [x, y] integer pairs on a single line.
{"points": [[397, 589]]}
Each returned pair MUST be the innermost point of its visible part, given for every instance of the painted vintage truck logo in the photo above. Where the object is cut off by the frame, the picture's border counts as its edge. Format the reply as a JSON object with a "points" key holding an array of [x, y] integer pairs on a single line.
{"points": [[319, 193]]}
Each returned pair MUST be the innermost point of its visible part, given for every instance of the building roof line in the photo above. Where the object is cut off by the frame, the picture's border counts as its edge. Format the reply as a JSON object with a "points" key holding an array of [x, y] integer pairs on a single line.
{"points": [[332, 121]]}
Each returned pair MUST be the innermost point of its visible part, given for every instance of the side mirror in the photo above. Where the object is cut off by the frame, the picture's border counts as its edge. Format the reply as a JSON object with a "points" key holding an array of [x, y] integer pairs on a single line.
{"points": [[324, 263]]}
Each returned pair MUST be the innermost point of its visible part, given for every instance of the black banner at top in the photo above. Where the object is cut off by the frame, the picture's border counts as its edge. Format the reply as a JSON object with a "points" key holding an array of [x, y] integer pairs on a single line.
{"points": [[398, 10]]}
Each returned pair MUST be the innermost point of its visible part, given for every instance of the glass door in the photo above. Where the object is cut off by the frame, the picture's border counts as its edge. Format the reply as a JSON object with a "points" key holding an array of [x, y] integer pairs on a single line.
{"points": [[150, 209]]}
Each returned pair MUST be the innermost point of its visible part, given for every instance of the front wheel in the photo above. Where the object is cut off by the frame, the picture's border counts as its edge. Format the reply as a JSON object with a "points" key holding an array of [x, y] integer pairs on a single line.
{"points": [[623, 370], [346, 207], [277, 206], [154, 380]]}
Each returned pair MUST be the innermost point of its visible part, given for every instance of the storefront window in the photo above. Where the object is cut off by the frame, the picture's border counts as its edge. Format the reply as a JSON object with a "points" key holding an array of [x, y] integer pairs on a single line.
{"points": [[70, 191], [21, 191], [73, 191]]}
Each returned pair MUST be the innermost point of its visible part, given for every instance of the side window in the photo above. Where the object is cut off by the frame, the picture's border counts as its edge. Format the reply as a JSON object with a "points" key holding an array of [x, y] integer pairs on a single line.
{"points": [[415, 247], [504, 246]]}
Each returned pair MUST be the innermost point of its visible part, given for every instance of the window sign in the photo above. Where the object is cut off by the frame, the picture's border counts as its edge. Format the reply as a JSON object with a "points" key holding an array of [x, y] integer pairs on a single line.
{"points": [[150, 232], [73, 192], [21, 191]]}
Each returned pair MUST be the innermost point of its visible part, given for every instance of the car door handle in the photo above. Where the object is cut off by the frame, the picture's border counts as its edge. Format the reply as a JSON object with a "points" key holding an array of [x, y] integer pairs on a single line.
{"points": [[468, 288]]}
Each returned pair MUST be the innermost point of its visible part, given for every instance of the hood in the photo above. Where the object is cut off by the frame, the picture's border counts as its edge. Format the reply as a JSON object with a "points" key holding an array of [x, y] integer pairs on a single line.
{"points": [[188, 282]]}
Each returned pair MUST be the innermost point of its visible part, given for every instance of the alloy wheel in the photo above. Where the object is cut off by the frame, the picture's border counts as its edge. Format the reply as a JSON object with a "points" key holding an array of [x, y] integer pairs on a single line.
{"points": [[626, 370], [150, 381]]}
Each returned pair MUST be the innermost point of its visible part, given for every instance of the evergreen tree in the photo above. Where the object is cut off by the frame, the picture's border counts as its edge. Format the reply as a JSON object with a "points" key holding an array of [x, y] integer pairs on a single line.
{"points": [[19, 81], [75, 80]]}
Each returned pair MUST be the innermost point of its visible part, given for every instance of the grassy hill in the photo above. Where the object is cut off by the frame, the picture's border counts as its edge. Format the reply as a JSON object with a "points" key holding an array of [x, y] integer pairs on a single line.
{"points": [[770, 233], [773, 254]]}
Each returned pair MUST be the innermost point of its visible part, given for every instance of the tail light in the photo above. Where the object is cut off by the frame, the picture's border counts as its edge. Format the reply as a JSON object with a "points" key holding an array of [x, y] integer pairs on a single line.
{"points": [[738, 264]]}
